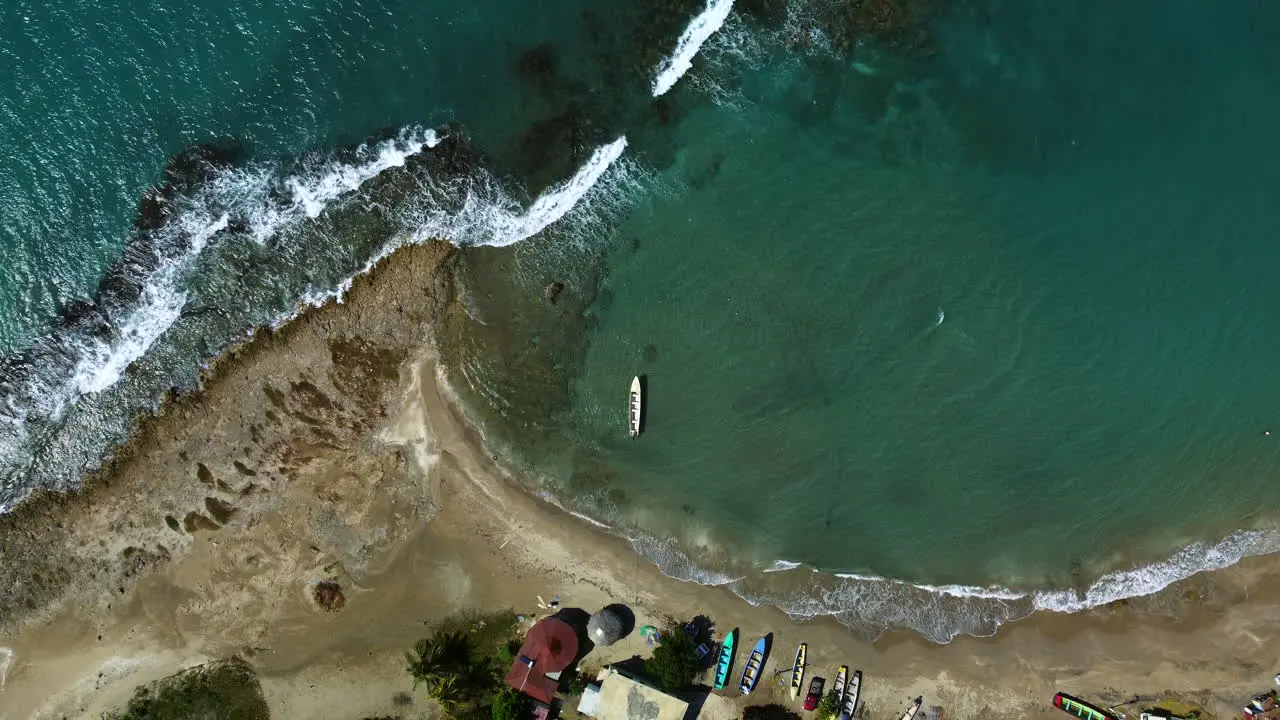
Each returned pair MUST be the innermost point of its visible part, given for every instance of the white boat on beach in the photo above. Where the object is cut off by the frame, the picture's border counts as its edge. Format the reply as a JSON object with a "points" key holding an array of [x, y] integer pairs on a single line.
{"points": [[851, 692], [635, 402], [910, 714]]}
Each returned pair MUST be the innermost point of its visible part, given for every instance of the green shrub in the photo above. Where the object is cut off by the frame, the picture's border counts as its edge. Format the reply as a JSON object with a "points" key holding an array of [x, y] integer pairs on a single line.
{"points": [[507, 653], [829, 706], [224, 689], [674, 664], [511, 705], [583, 677]]}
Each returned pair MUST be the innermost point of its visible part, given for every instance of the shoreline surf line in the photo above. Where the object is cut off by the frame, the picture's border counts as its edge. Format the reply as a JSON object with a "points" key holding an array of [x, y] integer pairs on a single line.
{"points": [[999, 605], [74, 360]]}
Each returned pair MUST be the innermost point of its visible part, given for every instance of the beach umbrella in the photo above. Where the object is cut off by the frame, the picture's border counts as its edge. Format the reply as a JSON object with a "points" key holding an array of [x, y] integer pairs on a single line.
{"points": [[606, 627], [650, 634]]}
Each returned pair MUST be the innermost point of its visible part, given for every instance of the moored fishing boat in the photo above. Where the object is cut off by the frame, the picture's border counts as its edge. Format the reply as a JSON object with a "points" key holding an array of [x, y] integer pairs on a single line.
{"points": [[851, 693], [797, 670], [635, 404], [842, 678], [755, 665], [1080, 708], [725, 664], [915, 708]]}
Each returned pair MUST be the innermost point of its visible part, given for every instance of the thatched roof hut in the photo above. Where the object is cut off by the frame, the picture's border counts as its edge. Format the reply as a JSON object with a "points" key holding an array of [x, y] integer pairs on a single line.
{"points": [[609, 626]]}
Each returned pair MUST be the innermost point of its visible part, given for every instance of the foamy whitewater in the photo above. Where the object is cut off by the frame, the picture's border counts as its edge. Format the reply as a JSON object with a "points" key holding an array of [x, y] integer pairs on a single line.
{"points": [[698, 32], [874, 604], [73, 363], [272, 207], [870, 604]]}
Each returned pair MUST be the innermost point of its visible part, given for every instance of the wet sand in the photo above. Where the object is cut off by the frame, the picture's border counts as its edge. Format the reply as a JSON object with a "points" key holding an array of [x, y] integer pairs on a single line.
{"points": [[334, 449]]}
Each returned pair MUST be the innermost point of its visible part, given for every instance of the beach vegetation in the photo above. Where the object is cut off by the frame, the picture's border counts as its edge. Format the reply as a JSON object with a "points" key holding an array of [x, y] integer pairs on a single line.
{"points": [[675, 662], [510, 705], [582, 678], [462, 662], [228, 688], [829, 706], [447, 692], [507, 653]]}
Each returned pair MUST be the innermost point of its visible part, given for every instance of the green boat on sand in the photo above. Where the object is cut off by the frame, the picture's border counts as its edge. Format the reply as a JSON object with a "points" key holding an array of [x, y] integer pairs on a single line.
{"points": [[725, 664]]}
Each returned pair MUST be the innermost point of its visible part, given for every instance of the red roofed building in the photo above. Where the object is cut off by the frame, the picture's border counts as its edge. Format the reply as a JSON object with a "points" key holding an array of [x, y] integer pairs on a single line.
{"points": [[549, 648]]}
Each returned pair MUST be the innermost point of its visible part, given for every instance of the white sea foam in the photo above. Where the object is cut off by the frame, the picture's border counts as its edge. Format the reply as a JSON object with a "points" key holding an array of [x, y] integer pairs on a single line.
{"points": [[159, 307], [674, 562], [313, 191], [959, 591], [241, 191], [85, 363], [1150, 579], [6, 659], [489, 216], [872, 604], [699, 30]]}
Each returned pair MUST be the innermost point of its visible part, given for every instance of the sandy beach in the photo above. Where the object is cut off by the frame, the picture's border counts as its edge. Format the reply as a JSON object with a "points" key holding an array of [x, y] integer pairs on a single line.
{"points": [[334, 449]]}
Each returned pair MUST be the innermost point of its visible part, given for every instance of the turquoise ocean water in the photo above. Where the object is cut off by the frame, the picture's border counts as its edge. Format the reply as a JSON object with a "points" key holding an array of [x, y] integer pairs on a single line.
{"points": [[973, 318]]}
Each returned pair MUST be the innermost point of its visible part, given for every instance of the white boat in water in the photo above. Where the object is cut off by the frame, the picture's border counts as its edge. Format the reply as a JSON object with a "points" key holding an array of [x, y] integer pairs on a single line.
{"points": [[634, 406]]}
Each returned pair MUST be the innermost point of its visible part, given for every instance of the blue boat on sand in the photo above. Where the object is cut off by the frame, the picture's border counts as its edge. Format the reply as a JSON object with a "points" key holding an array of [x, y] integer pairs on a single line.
{"points": [[755, 666]]}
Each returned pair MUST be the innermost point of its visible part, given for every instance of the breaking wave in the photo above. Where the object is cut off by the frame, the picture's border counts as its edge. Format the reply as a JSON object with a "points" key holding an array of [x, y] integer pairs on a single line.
{"points": [[1150, 579], [699, 30], [234, 246], [488, 215], [869, 605]]}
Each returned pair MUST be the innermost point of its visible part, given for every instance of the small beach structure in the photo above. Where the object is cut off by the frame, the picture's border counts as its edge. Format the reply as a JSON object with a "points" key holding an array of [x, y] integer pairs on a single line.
{"points": [[549, 648], [620, 695], [635, 406], [606, 627]]}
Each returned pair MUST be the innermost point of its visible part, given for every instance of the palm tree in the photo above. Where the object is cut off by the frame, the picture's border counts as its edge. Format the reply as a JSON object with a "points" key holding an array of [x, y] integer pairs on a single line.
{"points": [[440, 656], [455, 650]]}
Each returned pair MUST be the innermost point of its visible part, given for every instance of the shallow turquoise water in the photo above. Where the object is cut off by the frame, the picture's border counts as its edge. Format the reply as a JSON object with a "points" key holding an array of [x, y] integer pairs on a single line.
{"points": [[999, 322]]}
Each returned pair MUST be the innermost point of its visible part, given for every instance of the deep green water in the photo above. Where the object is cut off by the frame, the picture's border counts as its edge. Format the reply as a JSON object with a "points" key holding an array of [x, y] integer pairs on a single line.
{"points": [[990, 308]]}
